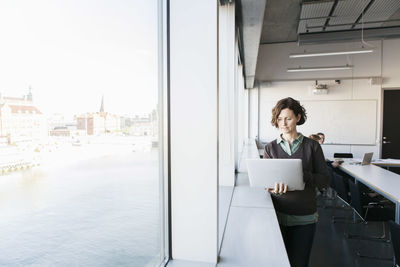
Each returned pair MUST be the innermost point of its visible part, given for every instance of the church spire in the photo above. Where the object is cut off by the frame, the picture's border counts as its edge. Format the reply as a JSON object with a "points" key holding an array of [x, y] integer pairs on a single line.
{"points": [[29, 95], [102, 104]]}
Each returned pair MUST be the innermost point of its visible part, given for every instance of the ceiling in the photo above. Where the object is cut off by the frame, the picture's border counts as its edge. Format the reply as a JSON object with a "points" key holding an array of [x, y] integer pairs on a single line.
{"points": [[313, 22], [280, 21], [290, 20]]}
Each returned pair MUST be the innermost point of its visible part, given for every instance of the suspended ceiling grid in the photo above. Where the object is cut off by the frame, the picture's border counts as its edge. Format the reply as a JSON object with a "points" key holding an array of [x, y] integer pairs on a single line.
{"points": [[314, 15], [379, 11], [345, 14]]}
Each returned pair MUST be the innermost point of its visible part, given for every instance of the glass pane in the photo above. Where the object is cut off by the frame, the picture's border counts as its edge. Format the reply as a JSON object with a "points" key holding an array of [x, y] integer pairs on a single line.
{"points": [[79, 152]]}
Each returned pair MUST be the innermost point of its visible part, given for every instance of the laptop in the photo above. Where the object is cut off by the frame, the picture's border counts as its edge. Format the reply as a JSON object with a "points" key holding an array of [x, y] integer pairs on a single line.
{"points": [[265, 172], [367, 159]]}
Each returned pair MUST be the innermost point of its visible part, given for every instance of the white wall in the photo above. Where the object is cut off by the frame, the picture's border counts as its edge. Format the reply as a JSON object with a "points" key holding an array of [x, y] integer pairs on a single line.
{"points": [[274, 60], [348, 90], [391, 63], [194, 131]]}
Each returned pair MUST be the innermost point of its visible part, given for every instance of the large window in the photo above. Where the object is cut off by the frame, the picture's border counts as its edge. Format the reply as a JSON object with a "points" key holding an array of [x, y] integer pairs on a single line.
{"points": [[81, 178]]}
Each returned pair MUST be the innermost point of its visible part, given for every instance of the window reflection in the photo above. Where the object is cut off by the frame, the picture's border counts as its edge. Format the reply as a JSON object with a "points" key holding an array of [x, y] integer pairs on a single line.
{"points": [[79, 149]]}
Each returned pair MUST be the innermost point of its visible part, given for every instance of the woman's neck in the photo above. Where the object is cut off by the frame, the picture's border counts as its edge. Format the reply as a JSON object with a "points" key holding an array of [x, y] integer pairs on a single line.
{"points": [[290, 137]]}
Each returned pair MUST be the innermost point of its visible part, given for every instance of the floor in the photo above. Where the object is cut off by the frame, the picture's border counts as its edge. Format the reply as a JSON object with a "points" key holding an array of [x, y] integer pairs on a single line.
{"points": [[332, 248], [224, 202]]}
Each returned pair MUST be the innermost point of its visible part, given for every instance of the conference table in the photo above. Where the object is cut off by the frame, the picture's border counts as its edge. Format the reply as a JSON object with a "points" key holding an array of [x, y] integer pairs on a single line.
{"points": [[382, 181], [387, 162]]}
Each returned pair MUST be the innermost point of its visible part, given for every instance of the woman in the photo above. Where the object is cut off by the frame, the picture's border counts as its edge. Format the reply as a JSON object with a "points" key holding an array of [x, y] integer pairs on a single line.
{"points": [[296, 210]]}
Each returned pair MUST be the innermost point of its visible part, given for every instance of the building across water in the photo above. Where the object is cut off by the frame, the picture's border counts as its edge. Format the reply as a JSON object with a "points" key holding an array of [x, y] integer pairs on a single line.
{"points": [[21, 120]]}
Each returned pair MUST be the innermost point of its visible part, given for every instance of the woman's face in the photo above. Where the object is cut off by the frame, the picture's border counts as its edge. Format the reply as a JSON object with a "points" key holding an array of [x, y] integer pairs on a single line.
{"points": [[287, 121]]}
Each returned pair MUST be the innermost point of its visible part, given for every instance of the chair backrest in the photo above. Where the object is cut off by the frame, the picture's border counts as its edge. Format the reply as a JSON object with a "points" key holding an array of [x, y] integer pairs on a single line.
{"points": [[395, 236], [356, 201], [343, 155], [340, 186], [330, 170]]}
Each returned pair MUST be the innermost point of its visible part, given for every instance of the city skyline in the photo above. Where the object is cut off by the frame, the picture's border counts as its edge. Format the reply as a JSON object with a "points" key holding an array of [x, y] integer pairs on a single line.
{"points": [[102, 107]]}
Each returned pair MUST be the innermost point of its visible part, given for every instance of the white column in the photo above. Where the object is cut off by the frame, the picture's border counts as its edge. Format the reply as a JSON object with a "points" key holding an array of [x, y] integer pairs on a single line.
{"points": [[253, 111], [226, 94], [242, 113], [194, 129], [239, 114]]}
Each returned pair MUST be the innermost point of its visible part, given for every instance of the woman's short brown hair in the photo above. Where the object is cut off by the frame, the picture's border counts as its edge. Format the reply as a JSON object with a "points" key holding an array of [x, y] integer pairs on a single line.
{"points": [[291, 104]]}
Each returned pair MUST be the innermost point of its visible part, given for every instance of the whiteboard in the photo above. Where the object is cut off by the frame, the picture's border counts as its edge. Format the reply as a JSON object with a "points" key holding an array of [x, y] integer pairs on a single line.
{"points": [[342, 121]]}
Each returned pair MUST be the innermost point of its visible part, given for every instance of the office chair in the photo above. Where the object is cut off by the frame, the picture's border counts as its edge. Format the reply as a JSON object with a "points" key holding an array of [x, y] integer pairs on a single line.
{"points": [[339, 184], [368, 212], [327, 194], [395, 237], [343, 155]]}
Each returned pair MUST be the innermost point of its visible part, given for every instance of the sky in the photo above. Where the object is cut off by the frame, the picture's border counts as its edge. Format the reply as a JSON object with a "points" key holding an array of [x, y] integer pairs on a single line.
{"points": [[72, 52]]}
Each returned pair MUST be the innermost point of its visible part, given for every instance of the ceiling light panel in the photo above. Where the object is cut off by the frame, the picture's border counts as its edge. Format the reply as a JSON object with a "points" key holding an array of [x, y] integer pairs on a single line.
{"points": [[313, 10], [381, 10]]}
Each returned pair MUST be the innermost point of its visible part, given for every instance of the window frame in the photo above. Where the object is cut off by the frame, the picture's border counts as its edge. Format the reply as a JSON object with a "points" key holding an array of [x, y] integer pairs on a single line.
{"points": [[164, 129]]}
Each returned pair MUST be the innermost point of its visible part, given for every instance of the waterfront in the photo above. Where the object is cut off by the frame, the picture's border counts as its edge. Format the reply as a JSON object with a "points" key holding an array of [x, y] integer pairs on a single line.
{"points": [[92, 205]]}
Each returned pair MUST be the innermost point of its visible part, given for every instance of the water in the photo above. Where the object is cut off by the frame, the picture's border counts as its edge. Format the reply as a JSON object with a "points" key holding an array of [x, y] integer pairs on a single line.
{"points": [[98, 210]]}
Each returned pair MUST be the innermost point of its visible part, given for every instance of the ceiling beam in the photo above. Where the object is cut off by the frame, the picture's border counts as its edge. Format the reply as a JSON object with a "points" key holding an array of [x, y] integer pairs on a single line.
{"points": [[252, 22]]}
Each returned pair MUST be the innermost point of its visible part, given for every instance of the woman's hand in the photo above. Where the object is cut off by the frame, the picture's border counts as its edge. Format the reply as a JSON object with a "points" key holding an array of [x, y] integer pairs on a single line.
{"points": [[336, 163], [279, 188]]}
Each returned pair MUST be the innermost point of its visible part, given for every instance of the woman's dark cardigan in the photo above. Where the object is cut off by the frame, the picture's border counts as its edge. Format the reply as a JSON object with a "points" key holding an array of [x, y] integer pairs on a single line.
{"points": [[315, 174]]}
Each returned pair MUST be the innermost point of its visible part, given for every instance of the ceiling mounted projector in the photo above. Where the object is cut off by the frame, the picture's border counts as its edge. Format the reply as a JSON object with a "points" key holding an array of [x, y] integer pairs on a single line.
{"points": [[321, 86], [320, 89], [317, 91]]}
